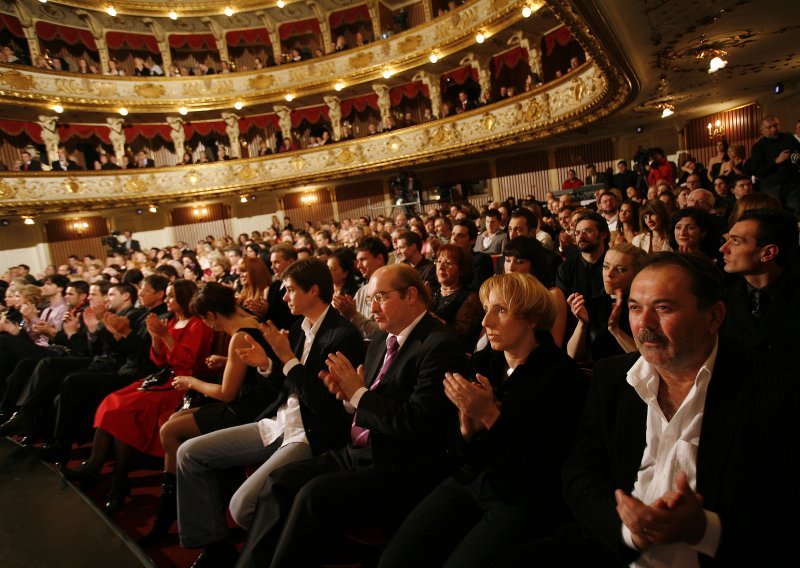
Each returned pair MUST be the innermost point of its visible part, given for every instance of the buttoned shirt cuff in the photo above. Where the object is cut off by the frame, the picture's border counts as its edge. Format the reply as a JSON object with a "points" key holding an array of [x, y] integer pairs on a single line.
{"points": [[265, 372], [290, 364], [709, 544], [349, 408], [356, 398]]}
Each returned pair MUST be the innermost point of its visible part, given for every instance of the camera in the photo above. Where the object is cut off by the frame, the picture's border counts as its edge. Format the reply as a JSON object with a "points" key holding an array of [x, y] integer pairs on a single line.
{"points": [[115, 241]]}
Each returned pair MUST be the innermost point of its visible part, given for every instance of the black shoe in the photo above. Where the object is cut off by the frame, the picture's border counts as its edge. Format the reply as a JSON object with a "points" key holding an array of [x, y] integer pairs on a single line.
{"points": [[166, 515], [83, 474], [219, 555], [22, 423], [54, 452]]}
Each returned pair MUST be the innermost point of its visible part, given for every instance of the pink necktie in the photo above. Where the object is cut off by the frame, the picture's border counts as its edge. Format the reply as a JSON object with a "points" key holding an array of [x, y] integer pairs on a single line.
{"points": [[359, 435]]}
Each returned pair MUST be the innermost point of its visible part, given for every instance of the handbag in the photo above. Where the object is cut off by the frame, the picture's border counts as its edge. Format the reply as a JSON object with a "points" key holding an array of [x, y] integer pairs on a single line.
{"points": [[156, 379]]}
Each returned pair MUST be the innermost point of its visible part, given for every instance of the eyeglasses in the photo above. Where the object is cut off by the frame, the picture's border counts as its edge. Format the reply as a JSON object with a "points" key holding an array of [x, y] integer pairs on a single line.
{"points": [[381, 297], [587, 232]]}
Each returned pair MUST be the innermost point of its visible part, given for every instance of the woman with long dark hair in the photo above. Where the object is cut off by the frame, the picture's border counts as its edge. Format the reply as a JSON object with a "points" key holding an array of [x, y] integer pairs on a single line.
{"points": [[341, 264], [654, 221]]}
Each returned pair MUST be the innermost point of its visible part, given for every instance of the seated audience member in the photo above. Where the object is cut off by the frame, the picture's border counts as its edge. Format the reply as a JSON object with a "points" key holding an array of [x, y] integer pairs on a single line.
{"points": [[526, 255], [64, 163], [400, 431], [238, 399], [493, 239], [753, 201], [619, 267], [281, 257], [409, 250], [762, 300], [701, 198], [28, 163], [527, 393], [453, 302], [655, 223], [524, 222], [341, 264], [572, 181], [303, 421], [465, 235], [583, 273], [371, 254], [742, 185], [737, 165], [128, 420], [694, 230], [628, 226], [675, 437], [255, 281]]}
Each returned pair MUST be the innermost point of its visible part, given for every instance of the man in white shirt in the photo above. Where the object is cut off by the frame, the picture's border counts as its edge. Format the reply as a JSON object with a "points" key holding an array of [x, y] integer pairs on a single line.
{"points": [[303, 421]]}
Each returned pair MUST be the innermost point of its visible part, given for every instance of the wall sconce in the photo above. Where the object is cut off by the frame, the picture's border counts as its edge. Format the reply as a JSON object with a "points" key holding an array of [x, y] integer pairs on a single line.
{"points": [[667, 110], [153, 209], [716, 64], [80, 226], [243, 199], [308, 198], [200, 212], [28, 221], [716, 130]]}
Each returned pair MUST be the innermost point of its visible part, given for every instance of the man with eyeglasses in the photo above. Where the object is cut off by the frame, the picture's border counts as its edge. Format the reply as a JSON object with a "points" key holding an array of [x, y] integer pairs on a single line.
{"points": [[399, 435], [583, 273]]}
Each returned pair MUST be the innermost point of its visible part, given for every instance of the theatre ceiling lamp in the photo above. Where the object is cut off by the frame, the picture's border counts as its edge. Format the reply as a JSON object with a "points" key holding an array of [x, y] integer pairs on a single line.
{"points": [[281, 3], [243, 199], [183, 111], [526, 11], [666, 112], [238, 105], [289, 97], [228, 11], [123, 111], [57, 108], [338, 86], [716, 64], [173, 15], [387, 73], [28, 220], [434, 58], [153, 209], [111, 11], [480, 37]]}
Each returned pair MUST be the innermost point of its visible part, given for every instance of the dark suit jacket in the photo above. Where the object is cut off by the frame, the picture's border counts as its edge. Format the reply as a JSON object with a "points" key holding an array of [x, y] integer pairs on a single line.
{"points": [[411, 422], [33, 166], [278, 311], [326, 422], [748, 440], [71, 165], [484, 269]]}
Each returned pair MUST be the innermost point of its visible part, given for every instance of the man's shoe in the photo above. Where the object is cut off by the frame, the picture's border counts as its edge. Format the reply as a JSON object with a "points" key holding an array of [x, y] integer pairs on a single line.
{"points": [[217, 555], [22, 423]]}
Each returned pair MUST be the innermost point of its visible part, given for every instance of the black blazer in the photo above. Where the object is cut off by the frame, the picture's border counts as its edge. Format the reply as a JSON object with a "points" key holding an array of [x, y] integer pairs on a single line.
{"points": [[747, 441], [71, 165], [411, 422], [326, 422]]}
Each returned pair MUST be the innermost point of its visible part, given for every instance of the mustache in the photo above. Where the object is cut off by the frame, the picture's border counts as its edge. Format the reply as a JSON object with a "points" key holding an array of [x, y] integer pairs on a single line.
{"points": [[649, 336]]}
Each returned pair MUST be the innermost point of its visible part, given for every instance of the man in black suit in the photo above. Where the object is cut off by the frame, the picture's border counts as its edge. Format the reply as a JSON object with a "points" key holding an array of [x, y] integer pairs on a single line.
{"points": [[624, 178], [464, 102], [763, 303], [281, 257], [303, 421], [64, 163], [400, 433], [28, 164], [692, 416], [593, 178]]}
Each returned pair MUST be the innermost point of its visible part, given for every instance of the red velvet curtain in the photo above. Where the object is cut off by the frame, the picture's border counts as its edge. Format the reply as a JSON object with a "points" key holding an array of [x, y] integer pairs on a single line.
{"points": [[67, 131], [137, 42], [510, 59], [17, 127], [205, 128], [261, 121], [350, 16], [195, 42], [71, 36], [301, 27], [561, 36], [311, 114], [255, 37], [408, 91], [461, 75], [147, 131], [12, 25], [359, 104]]}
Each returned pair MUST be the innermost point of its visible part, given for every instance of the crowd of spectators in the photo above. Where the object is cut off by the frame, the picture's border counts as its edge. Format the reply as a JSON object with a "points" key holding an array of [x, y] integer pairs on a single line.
{"points": [[482, 326]]}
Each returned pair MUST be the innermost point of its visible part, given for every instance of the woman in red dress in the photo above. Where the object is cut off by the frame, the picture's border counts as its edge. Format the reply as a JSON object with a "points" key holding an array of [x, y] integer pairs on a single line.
{"points": [[130, 419]]}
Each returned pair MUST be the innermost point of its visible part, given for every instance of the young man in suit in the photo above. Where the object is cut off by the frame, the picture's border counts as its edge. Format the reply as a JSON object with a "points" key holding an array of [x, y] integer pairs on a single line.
{"points": [[675, 441], [400, 433], [304, 420], [28, 164]]}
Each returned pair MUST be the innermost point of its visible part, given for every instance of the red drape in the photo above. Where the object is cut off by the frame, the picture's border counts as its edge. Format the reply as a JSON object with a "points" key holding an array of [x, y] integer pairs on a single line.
{"points": [[17, 127], [12, 25], [195, 42], [147, 131], [205, 128], [138, 42], [408, 91], [312, 114], [510, 59], [258, 36], [71, 36], [68, 130], [561, 36], [302, 27], [461, 75], [350, 16], [359, 104], [260, 121]]}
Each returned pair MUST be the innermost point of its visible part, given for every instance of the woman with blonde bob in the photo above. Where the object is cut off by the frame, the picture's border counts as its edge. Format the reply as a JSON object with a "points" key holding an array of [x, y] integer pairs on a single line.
{"points": [[518, 417]]}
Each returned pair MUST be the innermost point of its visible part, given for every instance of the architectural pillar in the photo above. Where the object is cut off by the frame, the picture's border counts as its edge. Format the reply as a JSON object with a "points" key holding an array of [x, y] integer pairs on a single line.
{"points": [[219, 38], [50, 136], [335, 116], [117, 136], [384, 101], [232, 130], [163, 44], [434, 90]]}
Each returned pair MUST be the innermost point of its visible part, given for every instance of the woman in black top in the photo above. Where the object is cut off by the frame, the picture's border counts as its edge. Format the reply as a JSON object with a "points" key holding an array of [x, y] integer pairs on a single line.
{"points": [[453, 302]]}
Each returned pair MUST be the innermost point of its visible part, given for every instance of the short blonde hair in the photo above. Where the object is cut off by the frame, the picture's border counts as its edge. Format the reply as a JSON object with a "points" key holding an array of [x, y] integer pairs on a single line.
{"points": [[525, 297], [30, 293]]}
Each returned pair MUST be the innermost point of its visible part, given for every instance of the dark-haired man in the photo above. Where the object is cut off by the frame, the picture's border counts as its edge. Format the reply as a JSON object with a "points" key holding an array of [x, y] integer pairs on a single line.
{"points": [[281, 257], [303, 421], [409, 250], [763, 303], [371, 255], [493, 239]]}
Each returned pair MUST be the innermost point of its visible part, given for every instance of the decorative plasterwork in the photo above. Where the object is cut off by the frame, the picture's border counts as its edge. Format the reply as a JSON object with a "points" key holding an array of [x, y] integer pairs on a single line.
{"points": [[164, 94], [568, 103]]}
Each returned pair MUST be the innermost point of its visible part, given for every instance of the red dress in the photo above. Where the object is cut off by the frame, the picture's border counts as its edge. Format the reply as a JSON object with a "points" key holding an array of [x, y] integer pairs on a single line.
{"points": [[135, 417]]}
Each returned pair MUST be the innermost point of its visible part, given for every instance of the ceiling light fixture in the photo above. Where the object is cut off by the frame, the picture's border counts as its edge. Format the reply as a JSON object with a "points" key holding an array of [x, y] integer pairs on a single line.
{"points": [[281, 3], [778, 88], [526, 12], [387, 73], [289, 97], [667, 111], [183, 111], [173, 15], [338, 86], [480, 38], [238, 105], [434, 58], [716, 64], [58, 108], [28, 221], [123, 111], [152, 209], [228, 11], [243, 199], [111, 11]]}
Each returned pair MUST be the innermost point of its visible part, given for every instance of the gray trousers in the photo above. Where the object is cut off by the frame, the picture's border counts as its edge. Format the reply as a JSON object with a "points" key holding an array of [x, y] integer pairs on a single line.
{"points": [[201, 510]]}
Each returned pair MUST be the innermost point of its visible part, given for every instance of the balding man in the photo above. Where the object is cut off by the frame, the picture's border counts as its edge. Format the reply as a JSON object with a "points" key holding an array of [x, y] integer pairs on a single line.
{"points": [[399, 434], [701, 198]]}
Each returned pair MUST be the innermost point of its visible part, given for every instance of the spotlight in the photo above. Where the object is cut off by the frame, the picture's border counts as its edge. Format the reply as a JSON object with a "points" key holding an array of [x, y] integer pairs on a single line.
{"points": [[152, 209], [139, 211], [387, 73], [289, 97], [4, 222], [778, 88], [238, 105], [716, 64], [183, 111], [123, 111], [243, 199], [667, 112], [57, 108], [111, 11], [434, 58], [29, 221], [639, 129], [526, 12], [338, 86], [173, 15], [228, 11], [281, 3], [480, 38]]}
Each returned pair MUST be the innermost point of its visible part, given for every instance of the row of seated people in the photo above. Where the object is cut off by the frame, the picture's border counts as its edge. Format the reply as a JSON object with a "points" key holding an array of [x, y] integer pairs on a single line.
{"points": [[459, 460]]}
